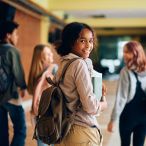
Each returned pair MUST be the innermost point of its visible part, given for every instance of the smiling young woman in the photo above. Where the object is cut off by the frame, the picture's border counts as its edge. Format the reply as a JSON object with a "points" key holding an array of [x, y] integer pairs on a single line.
{"points": [[78, 40]]}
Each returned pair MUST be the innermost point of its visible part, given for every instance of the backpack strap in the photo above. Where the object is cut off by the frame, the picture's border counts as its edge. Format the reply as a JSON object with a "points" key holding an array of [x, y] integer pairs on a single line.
{"points": [[61, 81], [49, 80], [138, 83], [65, 69], [135, 74]]}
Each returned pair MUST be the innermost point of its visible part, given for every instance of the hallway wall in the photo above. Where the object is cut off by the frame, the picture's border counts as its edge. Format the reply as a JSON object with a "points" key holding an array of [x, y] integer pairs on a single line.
{"points": [[29, 36]]}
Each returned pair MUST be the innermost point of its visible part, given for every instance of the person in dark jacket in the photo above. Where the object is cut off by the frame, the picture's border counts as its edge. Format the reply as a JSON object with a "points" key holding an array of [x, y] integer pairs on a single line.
{"points": [[11, 103]]}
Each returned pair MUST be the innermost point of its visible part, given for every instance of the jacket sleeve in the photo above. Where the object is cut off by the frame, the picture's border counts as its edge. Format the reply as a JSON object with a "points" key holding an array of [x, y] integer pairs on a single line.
{"points": [[121, 94], [84, 87], [17, 69]]}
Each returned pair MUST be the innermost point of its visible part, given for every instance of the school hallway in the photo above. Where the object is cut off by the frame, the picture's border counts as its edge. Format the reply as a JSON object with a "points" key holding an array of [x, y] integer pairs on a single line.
{"points": [[110, 139]]}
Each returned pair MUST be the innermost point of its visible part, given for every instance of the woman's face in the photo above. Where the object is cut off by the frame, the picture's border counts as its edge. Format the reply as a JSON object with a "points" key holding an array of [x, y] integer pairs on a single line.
{"points": [[84, 44], [47, 56], [128, 56]]}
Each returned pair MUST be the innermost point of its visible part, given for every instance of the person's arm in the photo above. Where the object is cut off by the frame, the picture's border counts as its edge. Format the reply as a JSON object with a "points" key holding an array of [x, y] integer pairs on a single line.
{"points": [[84, 86], [103, 101], [121, 99], [37, 94], [18, 71], [22, 92], [111, 126], [36, 97], [38, 91]]}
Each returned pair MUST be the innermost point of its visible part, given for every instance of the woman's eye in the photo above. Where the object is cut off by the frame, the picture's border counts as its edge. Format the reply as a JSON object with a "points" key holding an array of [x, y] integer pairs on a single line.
{"points": [[83, 41], [91, 41]]}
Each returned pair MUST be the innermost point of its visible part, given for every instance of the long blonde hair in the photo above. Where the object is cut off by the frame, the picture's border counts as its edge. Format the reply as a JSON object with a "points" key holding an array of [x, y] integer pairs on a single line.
{"points": [[36, 68]]}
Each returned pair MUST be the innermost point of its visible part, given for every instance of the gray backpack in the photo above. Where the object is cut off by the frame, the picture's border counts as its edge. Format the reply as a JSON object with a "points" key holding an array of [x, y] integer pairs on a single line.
{"points": [[54, 120]]}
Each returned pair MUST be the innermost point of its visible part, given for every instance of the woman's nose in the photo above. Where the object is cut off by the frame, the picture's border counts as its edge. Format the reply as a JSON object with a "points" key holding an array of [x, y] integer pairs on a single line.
{"points": [[87, 43]]}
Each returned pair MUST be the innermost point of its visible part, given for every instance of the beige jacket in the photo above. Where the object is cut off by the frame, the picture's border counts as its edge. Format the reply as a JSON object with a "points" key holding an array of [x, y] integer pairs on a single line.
{"points": [[77, 86]]}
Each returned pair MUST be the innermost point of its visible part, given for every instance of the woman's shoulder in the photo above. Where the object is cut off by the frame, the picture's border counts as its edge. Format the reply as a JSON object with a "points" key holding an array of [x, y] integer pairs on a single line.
{"points": [[125, 70], [79, 63], [125, 73], [142, 74], [79, 66]]}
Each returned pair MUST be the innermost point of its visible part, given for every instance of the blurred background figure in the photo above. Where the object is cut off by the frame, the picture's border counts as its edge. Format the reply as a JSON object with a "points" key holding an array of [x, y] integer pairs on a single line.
{"points": [[10, 99], [130, 103], [41, 67]]}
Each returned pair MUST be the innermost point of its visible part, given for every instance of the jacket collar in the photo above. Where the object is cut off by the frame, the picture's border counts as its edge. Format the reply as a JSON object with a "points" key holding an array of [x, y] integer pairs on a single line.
{"points": [[69, 56]]}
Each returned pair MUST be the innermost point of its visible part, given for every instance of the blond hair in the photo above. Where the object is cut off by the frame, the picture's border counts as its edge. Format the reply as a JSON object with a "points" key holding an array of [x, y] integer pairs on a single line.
{"points": [[36, 68]]}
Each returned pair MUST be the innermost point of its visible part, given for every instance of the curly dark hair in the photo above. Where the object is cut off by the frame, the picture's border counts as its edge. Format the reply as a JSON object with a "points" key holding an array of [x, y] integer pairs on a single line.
{"points": [[69, 35], [7, 27]]}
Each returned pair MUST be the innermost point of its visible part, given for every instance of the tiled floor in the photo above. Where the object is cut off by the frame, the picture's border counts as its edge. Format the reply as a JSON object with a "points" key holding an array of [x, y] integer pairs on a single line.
{"points": [[110, 139]]}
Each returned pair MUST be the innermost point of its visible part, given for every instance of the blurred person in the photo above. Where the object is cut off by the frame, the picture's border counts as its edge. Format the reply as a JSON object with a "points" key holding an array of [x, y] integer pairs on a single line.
{"points": [[78, 40], [130, 104], [42, 66], [10, 57]]}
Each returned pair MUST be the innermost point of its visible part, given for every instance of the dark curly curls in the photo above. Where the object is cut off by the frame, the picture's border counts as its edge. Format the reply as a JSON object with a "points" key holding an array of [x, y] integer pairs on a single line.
{"points": [[70, 34]]}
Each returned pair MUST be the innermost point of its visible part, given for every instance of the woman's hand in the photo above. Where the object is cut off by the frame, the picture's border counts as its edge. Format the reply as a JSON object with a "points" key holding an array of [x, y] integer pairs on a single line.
{"points": [[104, 89], [103, 102], [22, 92], [110, 126]]}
